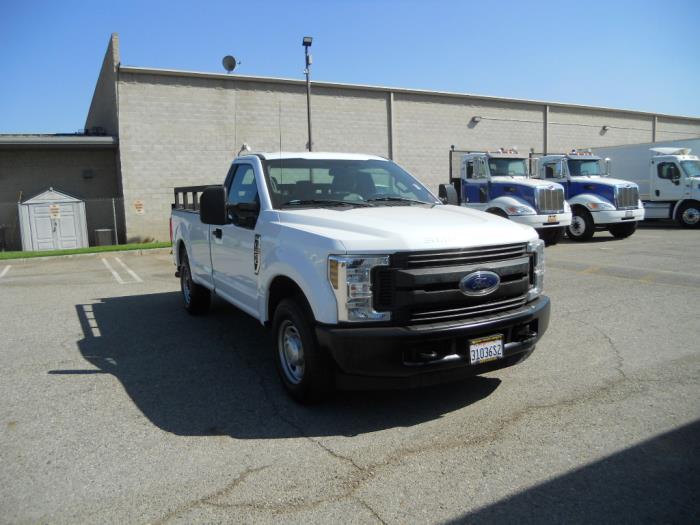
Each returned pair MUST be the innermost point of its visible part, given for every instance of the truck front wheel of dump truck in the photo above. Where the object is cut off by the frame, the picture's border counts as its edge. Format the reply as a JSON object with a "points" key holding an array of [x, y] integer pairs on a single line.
{"points": [[305, 370], [624, 230], [582, 226], [689, 215], [195, 298]]}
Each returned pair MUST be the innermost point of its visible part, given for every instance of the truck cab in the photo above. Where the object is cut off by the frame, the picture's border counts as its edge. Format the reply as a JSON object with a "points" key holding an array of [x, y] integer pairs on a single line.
{"points": [[672, 188], [499, 182], [597, 201]]}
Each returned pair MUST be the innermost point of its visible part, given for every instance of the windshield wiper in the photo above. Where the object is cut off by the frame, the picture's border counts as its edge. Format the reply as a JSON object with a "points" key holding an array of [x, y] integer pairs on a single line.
{"points": [[326, 202], [399, 199]]}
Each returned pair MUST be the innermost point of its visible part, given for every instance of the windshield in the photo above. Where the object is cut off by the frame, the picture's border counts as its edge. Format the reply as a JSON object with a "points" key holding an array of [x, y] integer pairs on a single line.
{"points": [[508, 167], [581, 168], [319, 182], [691, 167]]}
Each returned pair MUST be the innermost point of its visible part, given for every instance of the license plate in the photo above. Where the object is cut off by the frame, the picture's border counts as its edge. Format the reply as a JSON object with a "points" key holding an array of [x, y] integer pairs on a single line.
{"points": [[485, 349], [628, 214], [552, 218]]}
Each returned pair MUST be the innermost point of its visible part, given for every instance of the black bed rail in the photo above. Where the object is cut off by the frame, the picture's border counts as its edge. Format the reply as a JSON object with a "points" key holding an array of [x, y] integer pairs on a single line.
{"points": [[187, 197]]}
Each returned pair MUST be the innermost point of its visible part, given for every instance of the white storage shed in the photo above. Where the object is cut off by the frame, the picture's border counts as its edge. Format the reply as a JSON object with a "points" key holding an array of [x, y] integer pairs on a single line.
{"points": [[53, 220]]}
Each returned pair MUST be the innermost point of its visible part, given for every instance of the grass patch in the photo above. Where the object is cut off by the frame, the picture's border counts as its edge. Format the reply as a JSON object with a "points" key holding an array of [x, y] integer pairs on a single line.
{"points": [[91, 249]]}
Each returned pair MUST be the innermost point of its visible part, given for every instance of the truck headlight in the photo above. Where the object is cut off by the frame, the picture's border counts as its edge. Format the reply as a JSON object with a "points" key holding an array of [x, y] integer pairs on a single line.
{"points": [[536, 249], [350, 278], [600, 206], [520, 210]]}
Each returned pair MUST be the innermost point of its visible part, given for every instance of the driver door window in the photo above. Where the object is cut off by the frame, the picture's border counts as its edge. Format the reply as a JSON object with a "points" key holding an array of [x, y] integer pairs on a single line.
{"points": [[242, 189], [668, 171], [552, 171]]}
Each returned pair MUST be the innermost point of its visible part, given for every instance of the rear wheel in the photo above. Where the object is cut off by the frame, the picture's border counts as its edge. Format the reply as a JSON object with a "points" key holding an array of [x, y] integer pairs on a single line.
{"points": [[305, 370], [551, 236], [196, 298], [582, 226], [689, 215], [624, 230]]}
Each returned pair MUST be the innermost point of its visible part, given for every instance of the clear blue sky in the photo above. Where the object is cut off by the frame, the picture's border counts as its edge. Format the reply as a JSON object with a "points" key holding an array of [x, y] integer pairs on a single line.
{"points": [[642, 55]]}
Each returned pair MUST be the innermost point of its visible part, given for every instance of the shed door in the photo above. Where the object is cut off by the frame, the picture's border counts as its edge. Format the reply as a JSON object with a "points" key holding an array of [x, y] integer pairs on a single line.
{"points": [[42, 227], [67, 227], [51, 232]]}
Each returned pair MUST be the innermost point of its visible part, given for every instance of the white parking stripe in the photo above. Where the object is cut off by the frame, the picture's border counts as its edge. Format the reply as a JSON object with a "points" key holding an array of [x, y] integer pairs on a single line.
{"points": [[129, 270], [114, 273], [5, 270]]}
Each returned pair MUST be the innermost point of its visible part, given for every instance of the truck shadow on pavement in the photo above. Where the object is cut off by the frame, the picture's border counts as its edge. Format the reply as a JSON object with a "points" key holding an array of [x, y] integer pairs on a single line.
{"points": [[655, 481], [215, 375]]}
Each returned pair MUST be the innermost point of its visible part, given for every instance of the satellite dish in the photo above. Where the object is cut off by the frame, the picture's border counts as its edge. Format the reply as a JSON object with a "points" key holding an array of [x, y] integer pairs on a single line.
{"points": [[229, 63]]}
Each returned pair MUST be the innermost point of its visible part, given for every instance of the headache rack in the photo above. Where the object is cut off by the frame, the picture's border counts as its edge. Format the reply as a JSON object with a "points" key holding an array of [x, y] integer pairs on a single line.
{"points": [[187, 197]]}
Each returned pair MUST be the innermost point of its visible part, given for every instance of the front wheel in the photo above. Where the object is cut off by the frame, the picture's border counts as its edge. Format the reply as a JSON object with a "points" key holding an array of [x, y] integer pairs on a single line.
{"points": [[624, 230], [551, 236], [196, 298], [582, 226], [689, 215], [305, 370]]}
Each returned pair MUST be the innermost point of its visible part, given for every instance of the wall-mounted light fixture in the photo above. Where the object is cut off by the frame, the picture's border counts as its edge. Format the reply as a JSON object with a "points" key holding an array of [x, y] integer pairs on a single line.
{"points": [[88, 174], [476, 119], [606, 128]]}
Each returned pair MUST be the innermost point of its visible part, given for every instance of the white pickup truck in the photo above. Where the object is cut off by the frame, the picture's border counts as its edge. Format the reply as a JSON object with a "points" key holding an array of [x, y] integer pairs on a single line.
{"points": [[366, 278]]}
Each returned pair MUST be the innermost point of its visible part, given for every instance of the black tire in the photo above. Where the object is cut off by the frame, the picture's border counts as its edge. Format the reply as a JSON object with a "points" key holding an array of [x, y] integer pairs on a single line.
{"points": [[624, 230], [688, 215], [195, 298], [551, 236], [582, 226], [304, 368]]}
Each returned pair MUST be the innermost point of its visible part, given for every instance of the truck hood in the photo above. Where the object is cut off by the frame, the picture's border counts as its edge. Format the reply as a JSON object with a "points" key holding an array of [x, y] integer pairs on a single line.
{"points": [[524, 181], [603, 181], [400, 228]]}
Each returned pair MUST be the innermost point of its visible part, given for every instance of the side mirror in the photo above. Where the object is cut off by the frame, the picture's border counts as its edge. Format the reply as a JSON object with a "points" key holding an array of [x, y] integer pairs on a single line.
{"points": [[212, 205], [448, 194], [245, 213], [608, 168]]}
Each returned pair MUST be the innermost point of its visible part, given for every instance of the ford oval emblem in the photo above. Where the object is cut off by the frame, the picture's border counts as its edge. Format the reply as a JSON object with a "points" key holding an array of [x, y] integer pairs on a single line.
{"points": [[479, 283]]}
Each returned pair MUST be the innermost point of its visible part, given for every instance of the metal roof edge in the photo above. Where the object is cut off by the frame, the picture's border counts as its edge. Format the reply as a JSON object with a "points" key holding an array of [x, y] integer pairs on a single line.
{"points": [[387, 89], [57, 140]]}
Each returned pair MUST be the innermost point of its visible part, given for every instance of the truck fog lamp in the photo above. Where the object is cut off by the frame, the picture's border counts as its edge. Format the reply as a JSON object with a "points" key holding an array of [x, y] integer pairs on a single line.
{"points": [[536, 250], [351, 281]]}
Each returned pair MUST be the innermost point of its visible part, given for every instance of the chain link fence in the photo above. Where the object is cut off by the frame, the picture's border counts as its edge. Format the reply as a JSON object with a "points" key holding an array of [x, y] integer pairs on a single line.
{"points": [[104, 219]]}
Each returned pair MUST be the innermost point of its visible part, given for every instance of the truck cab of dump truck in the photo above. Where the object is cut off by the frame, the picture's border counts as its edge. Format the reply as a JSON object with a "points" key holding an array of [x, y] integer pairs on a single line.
{"points": [[597, 201], [499, 183]]}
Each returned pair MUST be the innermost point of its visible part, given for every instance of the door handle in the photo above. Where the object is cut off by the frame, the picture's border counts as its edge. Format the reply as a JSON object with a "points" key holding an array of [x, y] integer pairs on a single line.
{"points": [[218, 232]]}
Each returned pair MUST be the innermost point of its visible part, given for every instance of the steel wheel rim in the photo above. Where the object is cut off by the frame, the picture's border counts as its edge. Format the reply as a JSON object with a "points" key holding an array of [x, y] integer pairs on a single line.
{"points": [[578, 225], [291, 352], [691, 216], [185, 280]]}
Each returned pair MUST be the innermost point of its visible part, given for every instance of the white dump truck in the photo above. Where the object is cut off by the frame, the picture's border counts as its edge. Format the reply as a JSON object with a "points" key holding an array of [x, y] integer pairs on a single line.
{"points": [[363, 275], [668, 175]]}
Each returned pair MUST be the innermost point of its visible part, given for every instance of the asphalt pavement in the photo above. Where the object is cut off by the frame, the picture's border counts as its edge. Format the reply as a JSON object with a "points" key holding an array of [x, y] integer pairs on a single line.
{"points": [[118, 407]]}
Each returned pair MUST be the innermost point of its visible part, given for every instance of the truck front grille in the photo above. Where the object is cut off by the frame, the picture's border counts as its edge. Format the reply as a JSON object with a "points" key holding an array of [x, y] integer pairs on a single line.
{"points": [[550, 200], [423, 287], [627, 197]]}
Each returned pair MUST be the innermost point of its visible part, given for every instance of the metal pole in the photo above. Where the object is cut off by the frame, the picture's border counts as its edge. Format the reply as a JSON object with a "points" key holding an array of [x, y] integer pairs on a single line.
{"points": [[114, 218], [307, 72]]}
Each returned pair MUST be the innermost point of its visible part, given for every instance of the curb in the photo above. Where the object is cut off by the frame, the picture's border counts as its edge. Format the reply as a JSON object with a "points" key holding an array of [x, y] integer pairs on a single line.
{"points": [[148, 251]]}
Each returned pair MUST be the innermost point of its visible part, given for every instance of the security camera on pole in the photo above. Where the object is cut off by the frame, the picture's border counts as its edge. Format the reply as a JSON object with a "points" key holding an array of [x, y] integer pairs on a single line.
{"points": [[306, 42]]}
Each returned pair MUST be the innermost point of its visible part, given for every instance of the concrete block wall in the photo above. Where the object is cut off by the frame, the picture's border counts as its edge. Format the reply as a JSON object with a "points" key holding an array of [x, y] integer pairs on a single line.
{"points": [[180, 131], [103, 108]]}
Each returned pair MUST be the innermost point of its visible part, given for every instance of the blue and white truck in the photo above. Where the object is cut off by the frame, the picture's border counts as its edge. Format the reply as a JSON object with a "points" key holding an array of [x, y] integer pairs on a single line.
{"points": [[597, 201], [499, 182]]}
